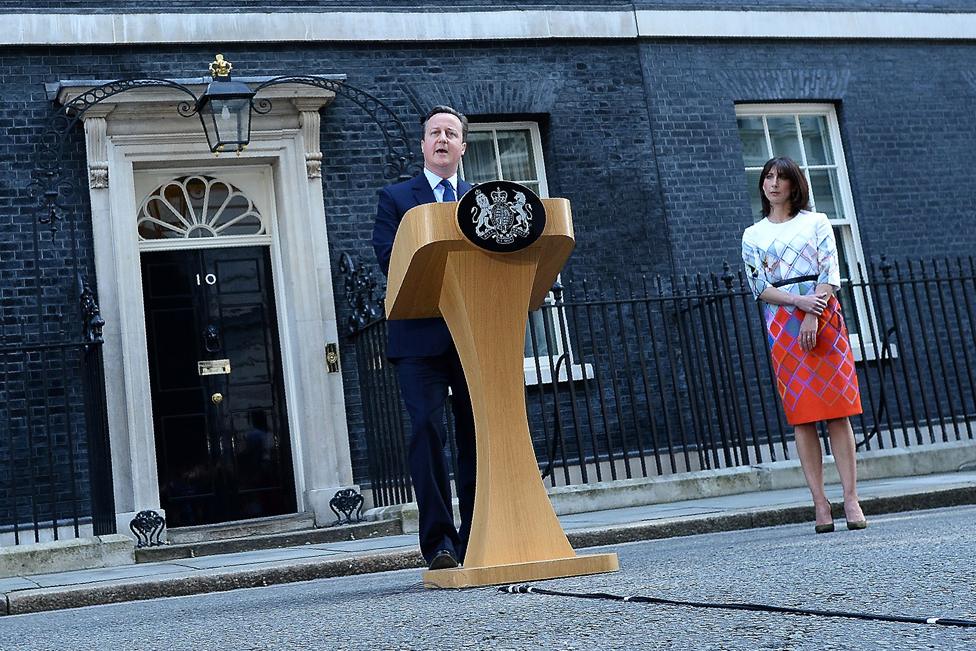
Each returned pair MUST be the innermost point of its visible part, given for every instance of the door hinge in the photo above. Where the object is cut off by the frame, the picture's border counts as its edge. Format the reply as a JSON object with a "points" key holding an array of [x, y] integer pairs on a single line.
{"points": [[332, 357]]}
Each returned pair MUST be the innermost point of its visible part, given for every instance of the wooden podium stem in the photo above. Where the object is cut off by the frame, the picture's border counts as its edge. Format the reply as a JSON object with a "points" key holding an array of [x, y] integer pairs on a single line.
{"points": [[485, 299]]}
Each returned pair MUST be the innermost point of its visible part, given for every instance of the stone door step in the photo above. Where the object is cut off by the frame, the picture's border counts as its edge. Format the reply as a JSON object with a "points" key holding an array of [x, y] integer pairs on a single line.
{"points": [[256, 541], [240, 528]]}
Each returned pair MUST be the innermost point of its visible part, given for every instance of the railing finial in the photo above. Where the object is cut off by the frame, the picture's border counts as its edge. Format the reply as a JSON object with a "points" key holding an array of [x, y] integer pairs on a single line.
{"points": [[727, 276], [361, 287], [885, 267]]}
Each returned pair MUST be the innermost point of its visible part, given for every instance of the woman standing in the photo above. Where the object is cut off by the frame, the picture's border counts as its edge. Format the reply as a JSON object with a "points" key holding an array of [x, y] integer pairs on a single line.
{"points": [[791, 264]]}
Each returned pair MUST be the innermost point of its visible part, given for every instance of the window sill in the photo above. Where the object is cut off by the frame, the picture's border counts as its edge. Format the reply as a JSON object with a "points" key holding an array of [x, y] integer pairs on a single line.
{"points": [[868, 352], [580, 372]]}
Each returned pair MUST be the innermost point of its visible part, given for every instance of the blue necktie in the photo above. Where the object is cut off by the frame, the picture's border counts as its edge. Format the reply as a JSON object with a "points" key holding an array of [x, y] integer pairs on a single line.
{"points": [[448, 190]]}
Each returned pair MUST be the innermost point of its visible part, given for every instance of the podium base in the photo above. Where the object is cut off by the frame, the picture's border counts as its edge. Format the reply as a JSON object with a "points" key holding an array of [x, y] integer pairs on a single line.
{"points": [[471, 577]]}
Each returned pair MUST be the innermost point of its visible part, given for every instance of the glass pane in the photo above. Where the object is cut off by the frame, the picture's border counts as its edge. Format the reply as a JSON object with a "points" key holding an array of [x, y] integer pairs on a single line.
{"points": [[231, 118], [173, 209], [841, 240], [537, 324], [479, 158], [248, 224], [783, 137], [515, 149], [815, 139], [148, 231], [753, 137], [826, 193], [752, 182], [534, 186]]}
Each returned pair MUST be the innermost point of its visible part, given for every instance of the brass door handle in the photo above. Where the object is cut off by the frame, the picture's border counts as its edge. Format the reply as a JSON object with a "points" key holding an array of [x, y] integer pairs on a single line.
{"points": [[217, 398]]}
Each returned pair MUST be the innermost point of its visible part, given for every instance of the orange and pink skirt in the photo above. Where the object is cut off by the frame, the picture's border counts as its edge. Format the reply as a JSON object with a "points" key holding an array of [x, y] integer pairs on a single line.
{"points": [[815, 385]]}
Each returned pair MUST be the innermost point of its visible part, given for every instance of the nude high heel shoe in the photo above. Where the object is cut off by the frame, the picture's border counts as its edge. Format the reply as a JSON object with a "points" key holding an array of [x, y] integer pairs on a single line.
{"points": [[855, 525], [825, 528]]}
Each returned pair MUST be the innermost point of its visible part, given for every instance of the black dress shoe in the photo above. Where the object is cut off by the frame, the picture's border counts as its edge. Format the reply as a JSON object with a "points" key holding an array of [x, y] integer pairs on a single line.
{"points": [[443, 560]]}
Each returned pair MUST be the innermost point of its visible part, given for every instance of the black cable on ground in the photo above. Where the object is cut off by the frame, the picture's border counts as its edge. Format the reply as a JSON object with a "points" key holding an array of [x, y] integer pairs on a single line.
{"points": [[941, 621]]}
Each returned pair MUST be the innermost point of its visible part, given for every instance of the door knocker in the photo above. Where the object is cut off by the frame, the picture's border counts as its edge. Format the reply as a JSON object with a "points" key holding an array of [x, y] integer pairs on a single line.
{"points": [[211, 339]]}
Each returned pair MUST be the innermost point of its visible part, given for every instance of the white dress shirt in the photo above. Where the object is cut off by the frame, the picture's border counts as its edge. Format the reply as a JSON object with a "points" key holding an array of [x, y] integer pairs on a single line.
{"points": [[438, 189]]}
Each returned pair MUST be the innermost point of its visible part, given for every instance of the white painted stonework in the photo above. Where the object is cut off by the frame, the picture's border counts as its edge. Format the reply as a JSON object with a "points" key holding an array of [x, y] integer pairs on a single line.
{"points": [[476, 25], [136, 138]]}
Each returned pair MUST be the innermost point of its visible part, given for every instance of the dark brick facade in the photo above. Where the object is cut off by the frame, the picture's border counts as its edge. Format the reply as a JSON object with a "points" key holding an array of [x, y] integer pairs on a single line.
{"points": [[905, 127], [640, 136]]}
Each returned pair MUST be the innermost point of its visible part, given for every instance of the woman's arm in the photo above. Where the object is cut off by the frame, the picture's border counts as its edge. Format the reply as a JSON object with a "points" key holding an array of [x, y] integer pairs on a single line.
{"points": [[811, 322], [813, 304]]}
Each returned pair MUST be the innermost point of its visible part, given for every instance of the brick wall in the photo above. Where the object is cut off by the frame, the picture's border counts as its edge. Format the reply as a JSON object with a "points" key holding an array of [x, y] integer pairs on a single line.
{"points": [[641, 137], [906, 128]]}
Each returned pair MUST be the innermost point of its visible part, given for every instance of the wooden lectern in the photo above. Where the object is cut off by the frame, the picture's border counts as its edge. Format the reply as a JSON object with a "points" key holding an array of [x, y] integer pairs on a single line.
{"points": [[485, 298]]}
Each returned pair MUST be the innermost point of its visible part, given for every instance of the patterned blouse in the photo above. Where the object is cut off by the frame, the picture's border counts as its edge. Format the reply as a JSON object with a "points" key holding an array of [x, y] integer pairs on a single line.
{"points": [[802, 246]]}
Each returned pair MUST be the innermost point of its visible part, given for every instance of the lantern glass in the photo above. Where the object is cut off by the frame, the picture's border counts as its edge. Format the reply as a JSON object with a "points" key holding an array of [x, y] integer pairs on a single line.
{"points": [[231, 120], [225, 112]]}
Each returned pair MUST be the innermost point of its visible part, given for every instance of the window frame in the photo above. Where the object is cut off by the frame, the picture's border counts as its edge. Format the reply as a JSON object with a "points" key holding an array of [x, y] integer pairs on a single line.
{"points": [[561, 345], [862, 343], [534, 136]]}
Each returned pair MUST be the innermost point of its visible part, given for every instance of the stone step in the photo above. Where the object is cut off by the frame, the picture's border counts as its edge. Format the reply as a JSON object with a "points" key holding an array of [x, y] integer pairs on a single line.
{"points": [[356, 531], [241, 528]]}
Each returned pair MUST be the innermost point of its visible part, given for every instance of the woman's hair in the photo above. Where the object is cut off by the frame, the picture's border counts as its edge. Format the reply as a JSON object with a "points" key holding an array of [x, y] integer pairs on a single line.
{"points": [[799, 190]]}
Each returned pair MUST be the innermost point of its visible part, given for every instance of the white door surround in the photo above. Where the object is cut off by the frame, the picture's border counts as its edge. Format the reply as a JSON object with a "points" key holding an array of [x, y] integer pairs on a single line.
{"points": [[136, 136]]}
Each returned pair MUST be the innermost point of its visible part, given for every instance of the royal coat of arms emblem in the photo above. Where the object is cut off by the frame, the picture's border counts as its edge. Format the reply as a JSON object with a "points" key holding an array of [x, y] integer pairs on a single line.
{"points": [[500, 219], [501, 216]]}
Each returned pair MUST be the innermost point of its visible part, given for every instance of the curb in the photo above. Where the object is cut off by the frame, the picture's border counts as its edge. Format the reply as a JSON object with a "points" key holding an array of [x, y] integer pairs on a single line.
{"points": [[44, 599], [759, 518]]}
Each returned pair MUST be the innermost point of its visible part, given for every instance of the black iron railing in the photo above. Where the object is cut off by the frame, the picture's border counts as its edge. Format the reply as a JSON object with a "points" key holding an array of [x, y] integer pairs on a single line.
{"points": [[55, 466], [659, 376], [55, 461]]}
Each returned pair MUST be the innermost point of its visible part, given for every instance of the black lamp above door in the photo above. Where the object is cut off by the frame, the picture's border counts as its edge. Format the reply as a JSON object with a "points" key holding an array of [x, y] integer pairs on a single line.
{"points": [[225, 109]]}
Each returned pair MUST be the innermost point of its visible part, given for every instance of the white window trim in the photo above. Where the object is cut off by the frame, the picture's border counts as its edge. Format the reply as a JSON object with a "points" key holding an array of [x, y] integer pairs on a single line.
{"points": [[542, 374], [580, 372], [535, 137], [862, 346]]}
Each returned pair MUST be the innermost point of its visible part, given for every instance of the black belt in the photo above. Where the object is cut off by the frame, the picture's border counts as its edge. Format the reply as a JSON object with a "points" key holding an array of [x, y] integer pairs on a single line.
{"points": [[792, 281]]}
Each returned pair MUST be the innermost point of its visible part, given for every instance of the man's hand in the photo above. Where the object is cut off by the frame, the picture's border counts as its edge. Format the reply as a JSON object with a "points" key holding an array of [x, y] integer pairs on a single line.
{"points": [[813, 304], [808, 332]]}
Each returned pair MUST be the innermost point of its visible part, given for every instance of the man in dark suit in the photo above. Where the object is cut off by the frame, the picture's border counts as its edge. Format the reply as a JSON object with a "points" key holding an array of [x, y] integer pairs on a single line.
{"points": [[426, 360]]}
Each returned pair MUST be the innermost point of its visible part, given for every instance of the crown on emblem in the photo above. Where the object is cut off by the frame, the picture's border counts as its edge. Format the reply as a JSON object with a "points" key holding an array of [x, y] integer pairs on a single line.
{"points": [[498, 195]]}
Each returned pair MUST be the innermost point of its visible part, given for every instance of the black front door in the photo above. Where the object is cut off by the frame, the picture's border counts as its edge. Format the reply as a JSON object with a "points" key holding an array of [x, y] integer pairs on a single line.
{"points": [[222, 444]]}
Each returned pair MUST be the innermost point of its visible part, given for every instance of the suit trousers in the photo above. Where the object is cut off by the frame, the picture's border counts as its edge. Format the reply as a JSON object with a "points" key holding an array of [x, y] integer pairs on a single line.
{"points": [[424, 383]]}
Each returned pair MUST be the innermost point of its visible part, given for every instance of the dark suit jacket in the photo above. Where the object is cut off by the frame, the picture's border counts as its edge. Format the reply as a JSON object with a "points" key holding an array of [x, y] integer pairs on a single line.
{"points": [[411, 337]]}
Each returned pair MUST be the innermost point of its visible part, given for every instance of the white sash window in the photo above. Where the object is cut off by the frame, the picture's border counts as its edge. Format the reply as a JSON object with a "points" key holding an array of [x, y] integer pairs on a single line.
{"points": [[810, 135], [512, 151]]}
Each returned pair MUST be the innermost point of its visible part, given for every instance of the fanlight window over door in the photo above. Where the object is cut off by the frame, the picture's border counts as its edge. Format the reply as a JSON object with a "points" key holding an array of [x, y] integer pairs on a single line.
{"points": [[195, 207]]}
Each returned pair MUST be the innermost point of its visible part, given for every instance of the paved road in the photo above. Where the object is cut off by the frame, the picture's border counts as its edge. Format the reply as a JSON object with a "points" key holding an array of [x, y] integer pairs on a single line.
{"points": [[918, 564]]}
